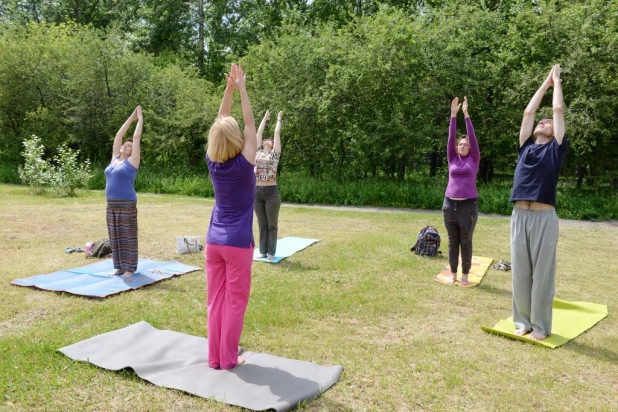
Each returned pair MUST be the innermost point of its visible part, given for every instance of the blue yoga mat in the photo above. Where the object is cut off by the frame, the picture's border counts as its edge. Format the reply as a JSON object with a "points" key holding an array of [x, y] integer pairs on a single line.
{"points": [[96, 280], [286, 247]]}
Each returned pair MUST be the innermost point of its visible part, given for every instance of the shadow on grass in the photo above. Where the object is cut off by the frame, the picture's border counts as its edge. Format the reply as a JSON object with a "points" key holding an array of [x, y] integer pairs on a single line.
{"points": [[483, 287], [162, 284], [597, 352], [291, 266], [318, 401], [322, 404]]}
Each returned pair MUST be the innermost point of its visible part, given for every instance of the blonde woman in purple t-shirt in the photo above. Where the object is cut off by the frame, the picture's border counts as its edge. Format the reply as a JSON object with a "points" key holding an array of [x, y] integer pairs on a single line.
{"points": [[229, 242], [460, 208]]}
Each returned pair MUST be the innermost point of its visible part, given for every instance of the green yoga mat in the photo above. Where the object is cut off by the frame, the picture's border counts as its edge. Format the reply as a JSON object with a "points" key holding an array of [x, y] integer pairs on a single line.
{"points": [[570, 319]]}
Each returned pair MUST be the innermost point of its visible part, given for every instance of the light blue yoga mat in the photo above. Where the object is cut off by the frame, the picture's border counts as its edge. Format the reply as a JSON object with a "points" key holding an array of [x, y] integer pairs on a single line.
{"points": [[96, 280], [286, 247]]}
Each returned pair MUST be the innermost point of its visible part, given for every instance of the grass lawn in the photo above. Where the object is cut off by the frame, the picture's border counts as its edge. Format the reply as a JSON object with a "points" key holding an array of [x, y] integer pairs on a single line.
{"points": [[359, 298]]}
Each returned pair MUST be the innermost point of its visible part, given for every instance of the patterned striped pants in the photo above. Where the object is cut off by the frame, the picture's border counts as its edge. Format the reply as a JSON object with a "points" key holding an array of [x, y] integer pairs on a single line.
{"points": [[122, 230]]}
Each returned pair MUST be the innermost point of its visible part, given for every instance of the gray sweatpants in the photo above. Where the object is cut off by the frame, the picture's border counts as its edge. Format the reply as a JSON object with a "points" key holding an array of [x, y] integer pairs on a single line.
{"points": [[266, 205], [534, 238]]}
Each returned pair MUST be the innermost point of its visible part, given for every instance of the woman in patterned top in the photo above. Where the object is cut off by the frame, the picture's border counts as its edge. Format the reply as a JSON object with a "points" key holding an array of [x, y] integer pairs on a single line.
{"points": [[267, 198]]}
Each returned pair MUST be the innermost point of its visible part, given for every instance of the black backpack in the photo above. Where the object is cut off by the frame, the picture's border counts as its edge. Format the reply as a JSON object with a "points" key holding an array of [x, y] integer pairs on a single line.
{"points": [[427, 242], [101, 248]]}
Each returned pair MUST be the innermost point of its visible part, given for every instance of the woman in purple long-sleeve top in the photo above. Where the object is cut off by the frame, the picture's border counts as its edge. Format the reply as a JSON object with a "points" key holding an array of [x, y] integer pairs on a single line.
{"points": [[460, 208]]}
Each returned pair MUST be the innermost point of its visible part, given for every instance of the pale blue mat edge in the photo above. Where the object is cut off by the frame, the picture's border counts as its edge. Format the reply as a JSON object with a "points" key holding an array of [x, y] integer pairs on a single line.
{"points": [[286, 247], [93, 280]]}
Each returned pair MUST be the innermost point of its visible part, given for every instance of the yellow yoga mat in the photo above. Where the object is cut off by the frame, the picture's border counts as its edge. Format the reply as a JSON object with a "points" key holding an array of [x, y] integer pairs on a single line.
{"points": [[477, 271], [570, 319]]}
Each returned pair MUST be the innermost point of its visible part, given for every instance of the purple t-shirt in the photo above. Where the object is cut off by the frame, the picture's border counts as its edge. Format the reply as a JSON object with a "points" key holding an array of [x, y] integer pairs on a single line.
{"points": [[462, 170], [536, 173], [231, 222], [119, 180]]}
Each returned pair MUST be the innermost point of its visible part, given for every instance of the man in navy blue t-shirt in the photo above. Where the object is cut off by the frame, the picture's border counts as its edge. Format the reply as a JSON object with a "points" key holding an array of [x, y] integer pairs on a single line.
{"points": [[534, 223]]}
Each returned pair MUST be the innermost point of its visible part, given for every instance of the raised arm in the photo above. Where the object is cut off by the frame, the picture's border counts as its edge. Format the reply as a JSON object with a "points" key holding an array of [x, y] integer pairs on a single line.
{"points": [[277, 145], [260, 130], [121, 132], [226, 104], [135, 157], [451, 146], [475, 153], [250, 142], [527, 124], [557, 105]]}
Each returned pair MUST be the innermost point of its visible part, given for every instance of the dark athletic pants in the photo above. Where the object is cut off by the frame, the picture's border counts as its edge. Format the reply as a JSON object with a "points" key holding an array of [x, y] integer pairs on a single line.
{"points": [[460, 218], [266, 205]]}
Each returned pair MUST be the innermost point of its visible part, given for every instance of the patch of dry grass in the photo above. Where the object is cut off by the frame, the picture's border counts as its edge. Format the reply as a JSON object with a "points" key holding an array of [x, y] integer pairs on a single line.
{"points": [[358, 298]]}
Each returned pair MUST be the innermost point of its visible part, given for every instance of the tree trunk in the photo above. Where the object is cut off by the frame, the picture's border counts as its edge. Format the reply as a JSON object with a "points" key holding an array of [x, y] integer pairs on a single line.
{"points": [[401, 173], [579, 170], [433, 163], [486, 170], [200, 44]]}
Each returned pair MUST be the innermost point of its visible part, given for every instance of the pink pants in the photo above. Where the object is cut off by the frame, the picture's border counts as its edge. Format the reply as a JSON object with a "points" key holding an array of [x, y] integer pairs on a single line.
{"points": [[228, 277]]}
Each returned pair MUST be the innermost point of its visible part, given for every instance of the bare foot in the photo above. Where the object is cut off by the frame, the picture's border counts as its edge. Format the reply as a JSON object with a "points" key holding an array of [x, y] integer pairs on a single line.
{"points": [[240, 361], [118, 272], [521, 332], [537, 336], [464, 280], [128, 274], [271, 257], [453, 278], [261, 255]]}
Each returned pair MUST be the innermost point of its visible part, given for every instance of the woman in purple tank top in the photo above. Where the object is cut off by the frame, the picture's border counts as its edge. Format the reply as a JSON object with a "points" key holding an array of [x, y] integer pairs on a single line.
{"points": [[121, 197], [229, 241], [460, 207]]}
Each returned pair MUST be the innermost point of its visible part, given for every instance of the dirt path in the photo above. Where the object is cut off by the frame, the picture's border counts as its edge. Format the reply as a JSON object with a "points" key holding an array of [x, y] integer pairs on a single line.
{"points": [[609, 224]]}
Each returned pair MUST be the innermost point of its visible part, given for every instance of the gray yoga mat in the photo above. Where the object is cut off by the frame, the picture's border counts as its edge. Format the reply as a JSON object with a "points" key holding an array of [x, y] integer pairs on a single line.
{"points": [[175, 360]]}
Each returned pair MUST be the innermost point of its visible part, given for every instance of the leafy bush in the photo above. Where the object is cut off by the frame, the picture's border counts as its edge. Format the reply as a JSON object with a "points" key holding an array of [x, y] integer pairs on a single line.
{"points": [[36, 172], [64, 177], [69, 174]]}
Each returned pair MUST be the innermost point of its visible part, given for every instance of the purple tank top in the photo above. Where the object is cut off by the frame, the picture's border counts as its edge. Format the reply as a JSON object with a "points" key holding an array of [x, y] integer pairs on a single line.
{"points": [[119, 180], [231, 222]]}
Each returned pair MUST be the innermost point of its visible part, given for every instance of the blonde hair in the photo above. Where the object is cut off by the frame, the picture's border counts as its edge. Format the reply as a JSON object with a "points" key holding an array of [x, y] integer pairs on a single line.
{"points": [[224, 139]]}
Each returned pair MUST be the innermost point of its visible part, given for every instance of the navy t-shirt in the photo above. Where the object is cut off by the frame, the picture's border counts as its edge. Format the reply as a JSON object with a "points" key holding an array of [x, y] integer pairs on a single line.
{"points": [[536, 173]]}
